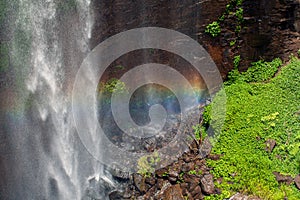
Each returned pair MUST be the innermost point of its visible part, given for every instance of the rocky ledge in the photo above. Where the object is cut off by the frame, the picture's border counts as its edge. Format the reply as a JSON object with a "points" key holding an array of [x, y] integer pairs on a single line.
{"points": [[187, 178]]}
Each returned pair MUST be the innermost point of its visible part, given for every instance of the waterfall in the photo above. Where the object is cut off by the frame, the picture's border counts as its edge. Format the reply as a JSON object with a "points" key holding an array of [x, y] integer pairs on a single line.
{"points": [[49, 40]]}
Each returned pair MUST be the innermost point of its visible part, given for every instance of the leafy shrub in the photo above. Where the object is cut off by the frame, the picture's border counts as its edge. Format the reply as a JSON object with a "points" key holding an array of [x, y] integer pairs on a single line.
{"points": [[236, 61], [251, 111], [113, 85], [232, 43], [213, 29], [146, 164], [262, 71], [239, 13]]}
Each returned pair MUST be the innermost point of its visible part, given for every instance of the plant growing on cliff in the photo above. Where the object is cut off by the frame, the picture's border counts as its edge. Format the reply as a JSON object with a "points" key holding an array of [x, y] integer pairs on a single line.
{"points": [[233, 8], [261, 70], [199, 132], [146, 164], [251, 110], [232, 43], [213, 29], [113, 85], [236, 61], [239, 13]]}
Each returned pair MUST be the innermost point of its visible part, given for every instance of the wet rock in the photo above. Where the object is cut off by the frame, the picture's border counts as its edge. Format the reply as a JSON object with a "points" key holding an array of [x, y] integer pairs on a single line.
{"points": [[283, 178], [186, 157], [205, 148], [160, 183], [184, 187], [214, 156], [270, 144], [207, 184], [239, 196], [187, 167], [150, 194], [99, 187], [114, 195], [139, 182], [126, 194], [150, 180], [119, 174], [173, 173], [297, 181], [172, 179], [173, 193], [161, 193], [196, 193], [161, 172]]}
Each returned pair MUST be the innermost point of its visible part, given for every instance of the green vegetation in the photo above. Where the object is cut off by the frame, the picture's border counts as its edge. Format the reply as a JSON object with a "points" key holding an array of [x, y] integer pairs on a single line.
{"points": [[199, 132], [194, 172], [113, 85], [233, 8], [258, 72], [239, 13], [146, 164], [236, 61], [232, 43], [213, 29], [165, 174], [258, 111]]}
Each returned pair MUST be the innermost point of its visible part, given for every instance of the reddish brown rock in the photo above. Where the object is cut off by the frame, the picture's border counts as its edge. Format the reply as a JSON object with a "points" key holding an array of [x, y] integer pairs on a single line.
{"points": [[139, 182], [188, 167], [270, 144], [205, 148], [196, 193], [173, 193], [214, 156], [297, 181], [207, 184], [283, 178]]}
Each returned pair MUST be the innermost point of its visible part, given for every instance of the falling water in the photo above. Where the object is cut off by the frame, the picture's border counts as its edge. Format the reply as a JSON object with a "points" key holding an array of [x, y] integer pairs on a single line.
{"points": [[43, 157]]}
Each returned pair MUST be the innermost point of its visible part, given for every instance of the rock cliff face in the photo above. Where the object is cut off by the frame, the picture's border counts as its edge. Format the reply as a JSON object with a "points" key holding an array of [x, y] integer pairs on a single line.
{"points": [[270, 28]]}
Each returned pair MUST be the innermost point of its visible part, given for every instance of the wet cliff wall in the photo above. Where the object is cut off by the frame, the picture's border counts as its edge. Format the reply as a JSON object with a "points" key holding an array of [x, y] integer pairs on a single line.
{"points": [[269, 29]]}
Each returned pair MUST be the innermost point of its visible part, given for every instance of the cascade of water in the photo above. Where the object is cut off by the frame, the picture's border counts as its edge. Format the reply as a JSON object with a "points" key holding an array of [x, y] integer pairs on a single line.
{"points": [[50, 161]]}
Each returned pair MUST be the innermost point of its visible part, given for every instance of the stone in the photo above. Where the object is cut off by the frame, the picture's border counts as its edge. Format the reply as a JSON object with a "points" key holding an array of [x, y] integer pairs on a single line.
{"points": [[297, 181], [196, 193], [115, 195], [283, 178], [139, 182], [172, 179], [160, 183], [270, 144], [193, 182], [160, 194], [187, 167], [150, 180], [173, 193], [173, 173], [186, 158], [160, 172], [205, 148], [214, 156], [239, 196], [150, 194], [207, 184]]}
